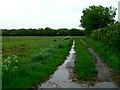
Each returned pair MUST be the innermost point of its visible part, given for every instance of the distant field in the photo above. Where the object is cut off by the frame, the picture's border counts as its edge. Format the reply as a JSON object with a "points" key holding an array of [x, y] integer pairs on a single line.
{"points": [[26, 46], [30, 60]]}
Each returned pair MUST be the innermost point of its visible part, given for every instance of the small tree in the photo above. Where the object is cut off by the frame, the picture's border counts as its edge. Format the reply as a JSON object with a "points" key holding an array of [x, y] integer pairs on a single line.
{"points": [[96, 17]]}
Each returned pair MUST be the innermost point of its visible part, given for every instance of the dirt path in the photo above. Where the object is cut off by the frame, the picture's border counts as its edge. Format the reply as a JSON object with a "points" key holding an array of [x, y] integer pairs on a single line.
{"points": [[62, 76], [104, 72]]}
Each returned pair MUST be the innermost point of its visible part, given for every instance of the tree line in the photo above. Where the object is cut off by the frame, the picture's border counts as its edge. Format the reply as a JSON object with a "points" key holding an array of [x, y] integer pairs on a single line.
{"points": [[43, 32]]}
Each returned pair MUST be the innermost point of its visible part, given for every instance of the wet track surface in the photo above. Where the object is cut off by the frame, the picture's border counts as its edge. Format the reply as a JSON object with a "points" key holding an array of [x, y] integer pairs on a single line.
{"points": [[61, 77]]}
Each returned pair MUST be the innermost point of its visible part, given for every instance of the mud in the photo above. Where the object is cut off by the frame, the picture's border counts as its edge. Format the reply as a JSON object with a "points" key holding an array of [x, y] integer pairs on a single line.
{"points": [[103, 71]]}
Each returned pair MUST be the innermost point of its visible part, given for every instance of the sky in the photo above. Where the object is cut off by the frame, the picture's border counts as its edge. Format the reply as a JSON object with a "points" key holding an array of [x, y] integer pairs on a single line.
{"points": [[46, 13]]}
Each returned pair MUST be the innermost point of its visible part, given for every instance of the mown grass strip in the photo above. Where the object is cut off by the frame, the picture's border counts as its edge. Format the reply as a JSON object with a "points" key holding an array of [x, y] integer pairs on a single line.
{"points": [[84, 64], [39, 68]]}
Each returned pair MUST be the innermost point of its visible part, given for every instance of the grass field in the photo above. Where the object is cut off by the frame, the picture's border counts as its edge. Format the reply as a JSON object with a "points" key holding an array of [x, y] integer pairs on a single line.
{"points": [[84, 65], [25, 46], [28, 61]]}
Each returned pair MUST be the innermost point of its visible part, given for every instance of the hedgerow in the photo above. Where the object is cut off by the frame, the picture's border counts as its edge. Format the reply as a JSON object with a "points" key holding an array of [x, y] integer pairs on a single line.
{"points": [[109, 35]]}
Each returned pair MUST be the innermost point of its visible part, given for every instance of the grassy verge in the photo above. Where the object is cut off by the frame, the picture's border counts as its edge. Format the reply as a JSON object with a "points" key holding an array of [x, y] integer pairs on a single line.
{"points": [[84, 64], [40, 64], [108, 54]]}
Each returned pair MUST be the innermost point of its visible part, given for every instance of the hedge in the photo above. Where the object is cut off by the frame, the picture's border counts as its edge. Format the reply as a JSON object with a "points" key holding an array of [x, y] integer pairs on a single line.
{"points": [[109, 35]]}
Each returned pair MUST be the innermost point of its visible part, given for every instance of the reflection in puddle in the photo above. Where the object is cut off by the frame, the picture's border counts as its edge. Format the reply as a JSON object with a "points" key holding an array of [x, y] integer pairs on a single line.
{"points": [[61, 77]]}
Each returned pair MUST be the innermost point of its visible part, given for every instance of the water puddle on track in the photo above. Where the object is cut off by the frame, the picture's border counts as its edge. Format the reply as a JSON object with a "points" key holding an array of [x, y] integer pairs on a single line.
{"points": [[61, 77]]}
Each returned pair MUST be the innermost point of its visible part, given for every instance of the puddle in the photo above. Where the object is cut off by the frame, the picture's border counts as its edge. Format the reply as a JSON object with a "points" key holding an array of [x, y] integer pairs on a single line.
{"points": [[61, 77]]}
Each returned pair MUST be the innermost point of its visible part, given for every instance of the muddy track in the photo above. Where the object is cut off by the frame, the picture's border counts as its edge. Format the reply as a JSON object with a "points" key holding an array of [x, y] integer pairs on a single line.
{"points": [[62, 76], [104, 73]]}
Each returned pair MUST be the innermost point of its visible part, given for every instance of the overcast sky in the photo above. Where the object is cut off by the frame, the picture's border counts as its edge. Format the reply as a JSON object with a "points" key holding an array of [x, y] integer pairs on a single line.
{"points": [[46, 13]]}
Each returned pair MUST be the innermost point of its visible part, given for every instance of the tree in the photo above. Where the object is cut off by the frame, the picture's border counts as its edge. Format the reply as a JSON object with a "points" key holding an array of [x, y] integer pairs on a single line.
{"points": [[96, 17]]}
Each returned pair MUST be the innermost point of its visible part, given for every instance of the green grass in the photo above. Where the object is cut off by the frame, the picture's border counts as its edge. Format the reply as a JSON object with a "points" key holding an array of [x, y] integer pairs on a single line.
{"points": [[38, 58], [25, 46], [84, 64], [108, 54]]}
